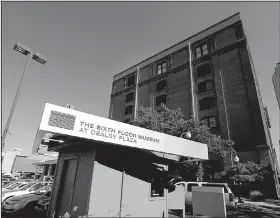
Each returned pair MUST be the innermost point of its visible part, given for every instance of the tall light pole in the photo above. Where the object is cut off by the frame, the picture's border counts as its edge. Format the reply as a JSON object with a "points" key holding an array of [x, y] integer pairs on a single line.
{"points": [[35, 56], [236, 160]]}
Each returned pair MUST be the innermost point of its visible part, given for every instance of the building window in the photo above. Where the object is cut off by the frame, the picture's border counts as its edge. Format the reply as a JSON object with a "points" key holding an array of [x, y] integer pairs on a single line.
{"points": [[205, 86], [204, 122], [203, 70], [201, 50], [127, 120], [161, 100], [157, 188], [211, 122], [161, 68], [207, 103], [129, 97], [239, 32], [128, 110], [130, 81], [161, 85]]}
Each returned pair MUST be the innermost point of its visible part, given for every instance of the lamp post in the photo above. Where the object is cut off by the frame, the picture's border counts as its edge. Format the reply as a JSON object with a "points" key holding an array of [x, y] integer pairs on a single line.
{"points": [[35, 56], [236, 160]]}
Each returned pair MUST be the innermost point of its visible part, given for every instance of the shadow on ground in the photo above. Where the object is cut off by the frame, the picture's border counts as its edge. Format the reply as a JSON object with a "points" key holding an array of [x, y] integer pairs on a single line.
{"points": [[247, 210]]}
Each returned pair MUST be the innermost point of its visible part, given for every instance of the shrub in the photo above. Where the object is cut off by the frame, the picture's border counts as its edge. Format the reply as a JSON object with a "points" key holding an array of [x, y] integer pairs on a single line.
{"points": [[256, 196]]}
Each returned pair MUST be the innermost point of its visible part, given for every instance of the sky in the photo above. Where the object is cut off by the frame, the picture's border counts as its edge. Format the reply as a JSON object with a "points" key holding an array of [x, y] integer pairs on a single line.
{"points": [[86, 43]]}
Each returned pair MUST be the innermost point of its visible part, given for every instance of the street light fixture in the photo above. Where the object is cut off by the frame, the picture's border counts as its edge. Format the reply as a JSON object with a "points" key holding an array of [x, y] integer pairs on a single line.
{"points": [[236, 160], [187, 134], [35, 56]]}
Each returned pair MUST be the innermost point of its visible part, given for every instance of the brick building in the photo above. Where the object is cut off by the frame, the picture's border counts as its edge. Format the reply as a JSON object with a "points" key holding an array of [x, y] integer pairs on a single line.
{"points": [[227, 96], [276, 82]]}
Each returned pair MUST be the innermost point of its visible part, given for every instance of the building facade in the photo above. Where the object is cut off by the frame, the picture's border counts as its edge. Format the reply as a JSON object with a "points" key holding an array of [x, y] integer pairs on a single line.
{"points": [[276, 82], [216, 64]]}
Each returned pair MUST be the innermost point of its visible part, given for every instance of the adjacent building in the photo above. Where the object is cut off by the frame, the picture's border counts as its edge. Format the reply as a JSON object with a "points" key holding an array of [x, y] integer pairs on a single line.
{"points": [[276, 82], [214, 68]]}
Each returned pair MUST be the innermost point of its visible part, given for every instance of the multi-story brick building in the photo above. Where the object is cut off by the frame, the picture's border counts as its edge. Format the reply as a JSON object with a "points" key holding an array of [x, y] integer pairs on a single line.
{"points": [[227, 96], [276, 82]]}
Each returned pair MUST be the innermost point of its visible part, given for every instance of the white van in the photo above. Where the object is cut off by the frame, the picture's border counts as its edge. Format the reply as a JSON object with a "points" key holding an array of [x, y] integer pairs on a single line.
{"points": [[229, 196]]}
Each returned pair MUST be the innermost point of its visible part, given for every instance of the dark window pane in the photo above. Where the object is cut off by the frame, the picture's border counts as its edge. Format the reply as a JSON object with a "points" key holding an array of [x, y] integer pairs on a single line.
{"points": [[131, 81], [128, 109], [207, 103], [129, 97], [160, 100], [161, 85], [157, 189], [203, 70]]}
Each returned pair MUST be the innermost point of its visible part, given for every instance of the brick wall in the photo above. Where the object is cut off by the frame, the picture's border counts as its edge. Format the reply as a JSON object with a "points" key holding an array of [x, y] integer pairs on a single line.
{"points": [[224, 38], [235, 99], [118, 107], [179, 92]]}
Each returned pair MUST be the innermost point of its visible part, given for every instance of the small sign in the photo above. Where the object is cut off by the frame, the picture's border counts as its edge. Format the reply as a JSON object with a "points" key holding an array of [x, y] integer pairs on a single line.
{"points": [[70, 106]]}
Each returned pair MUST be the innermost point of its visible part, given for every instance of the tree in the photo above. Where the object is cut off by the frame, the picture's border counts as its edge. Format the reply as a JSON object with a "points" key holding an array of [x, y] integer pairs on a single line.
{"points": [[172, 122], [252, 177]]}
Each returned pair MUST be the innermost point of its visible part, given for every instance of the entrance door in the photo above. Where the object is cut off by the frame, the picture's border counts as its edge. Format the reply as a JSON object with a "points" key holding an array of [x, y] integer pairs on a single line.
{"points": [[66, 189]]}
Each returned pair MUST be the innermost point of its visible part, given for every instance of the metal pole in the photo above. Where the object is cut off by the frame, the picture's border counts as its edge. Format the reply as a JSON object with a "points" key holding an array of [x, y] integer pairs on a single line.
{"points": [[226, 112], [14, 103], [136, 94], [192, 84], [239, 197], [120, 214]]}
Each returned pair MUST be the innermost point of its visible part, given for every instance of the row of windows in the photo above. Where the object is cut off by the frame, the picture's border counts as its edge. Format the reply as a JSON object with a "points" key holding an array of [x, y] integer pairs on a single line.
{"points": [[204, 104], [202, 70], [161, 99], [204, 86], [200, 50], [159, 87]]}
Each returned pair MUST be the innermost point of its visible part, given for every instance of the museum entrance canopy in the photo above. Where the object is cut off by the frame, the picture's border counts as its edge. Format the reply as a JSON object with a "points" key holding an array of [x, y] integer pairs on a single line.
{"points": [[75, 124]]}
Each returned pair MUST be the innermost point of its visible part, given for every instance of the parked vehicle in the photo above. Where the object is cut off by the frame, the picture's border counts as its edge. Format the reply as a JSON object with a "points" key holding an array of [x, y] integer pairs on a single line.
{"points": [[42, 205], [24, 205], [229, 196], [27, 189], [48, 179], [13, 186]]}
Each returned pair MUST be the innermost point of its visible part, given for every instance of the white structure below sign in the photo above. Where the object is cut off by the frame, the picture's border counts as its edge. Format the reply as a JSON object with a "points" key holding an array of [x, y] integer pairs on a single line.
{"points": [[66, 121], [209, 201]]}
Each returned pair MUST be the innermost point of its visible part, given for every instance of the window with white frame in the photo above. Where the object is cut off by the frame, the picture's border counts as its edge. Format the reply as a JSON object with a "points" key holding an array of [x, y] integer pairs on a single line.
{"points": [[205, 86], [201, 50], [211, 122], [161, 68]]}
